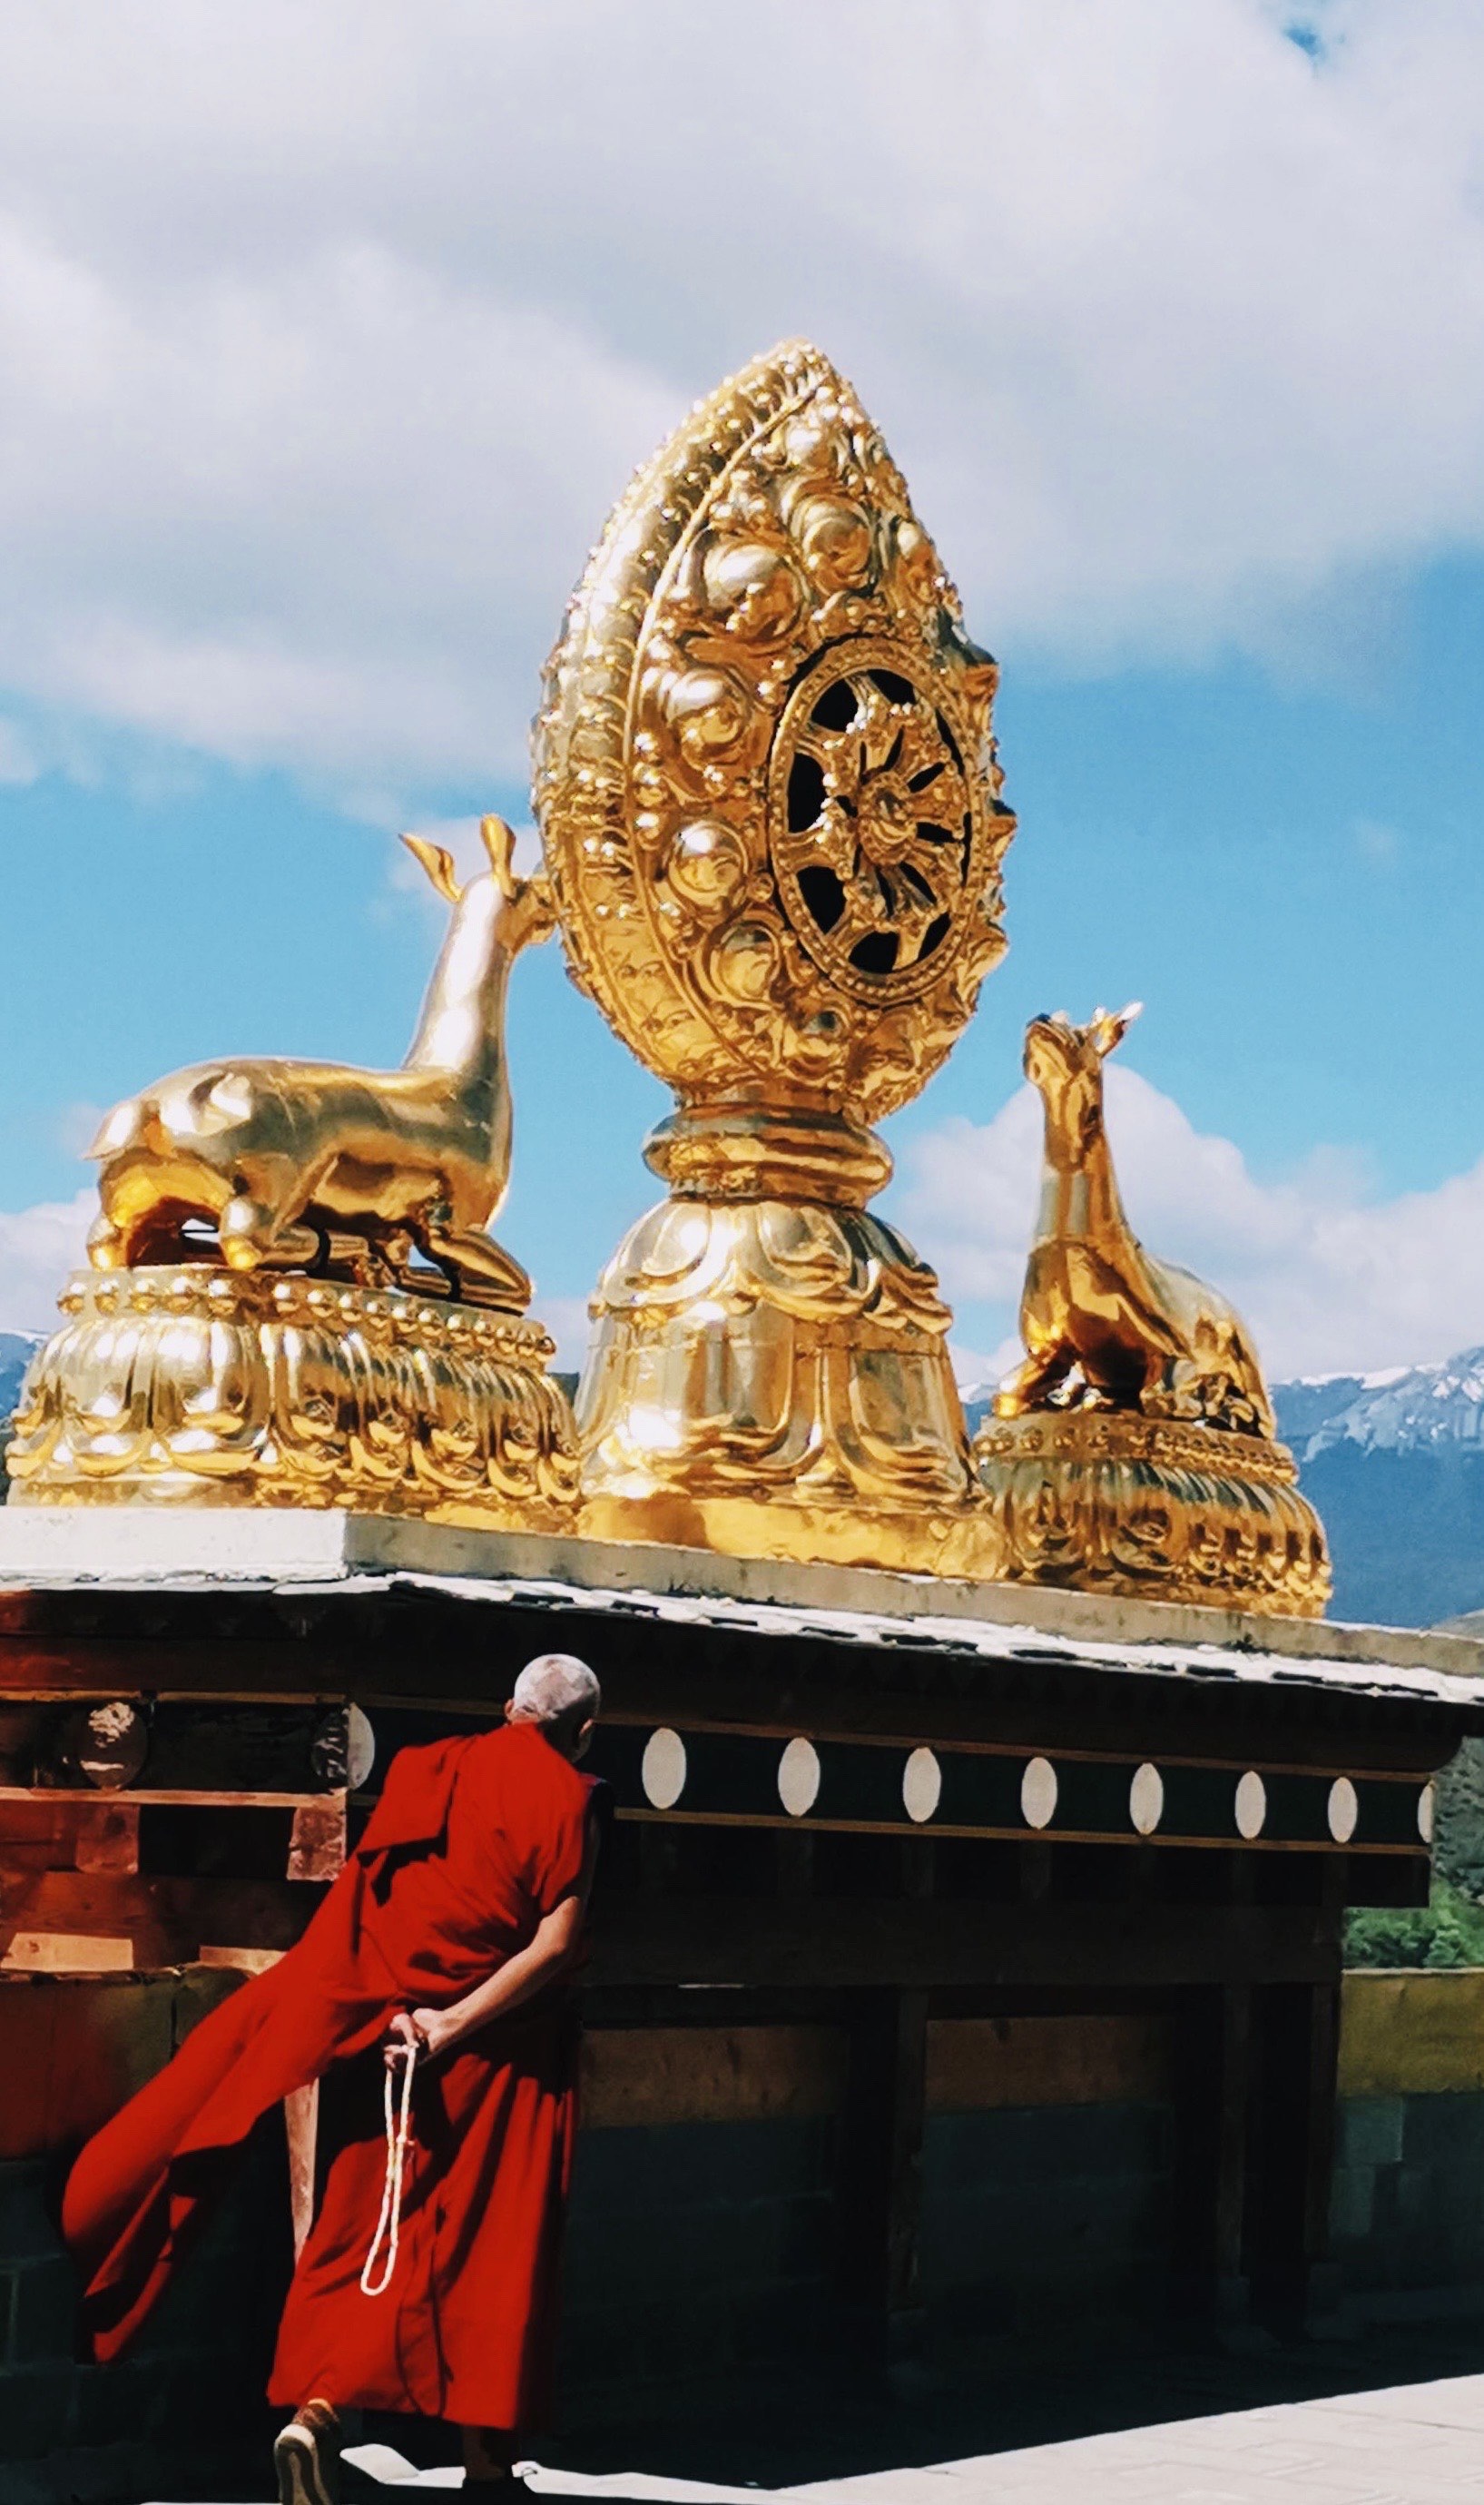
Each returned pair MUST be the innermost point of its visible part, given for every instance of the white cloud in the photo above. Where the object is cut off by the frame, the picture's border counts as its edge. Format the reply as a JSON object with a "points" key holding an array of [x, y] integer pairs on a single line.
{"points": [[309, 518], [1375, 842], [1330, 1279], [567, 1320], [327, 336], [38, 1246], [976, 1372], [76, 1126], [18, 758]]}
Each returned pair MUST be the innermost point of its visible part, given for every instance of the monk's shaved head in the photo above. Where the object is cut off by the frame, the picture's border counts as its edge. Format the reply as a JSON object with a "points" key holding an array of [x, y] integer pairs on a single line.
{"points": [[556, 1687]]}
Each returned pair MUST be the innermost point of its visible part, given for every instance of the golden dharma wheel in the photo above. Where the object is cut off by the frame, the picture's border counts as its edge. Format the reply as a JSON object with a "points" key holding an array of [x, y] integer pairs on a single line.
{"points": [[765, 772]]}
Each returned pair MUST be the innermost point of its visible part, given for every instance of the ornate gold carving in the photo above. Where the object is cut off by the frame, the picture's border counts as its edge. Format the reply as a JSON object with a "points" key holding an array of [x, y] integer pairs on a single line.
{"points": [[816, 1415], [1124, 1435], [191, 1384], [313, 1165], [765, 772], [769, 797], [869, 830], [314, 1362], [1133, 1449], [742, 1152], [1106, 1500]]}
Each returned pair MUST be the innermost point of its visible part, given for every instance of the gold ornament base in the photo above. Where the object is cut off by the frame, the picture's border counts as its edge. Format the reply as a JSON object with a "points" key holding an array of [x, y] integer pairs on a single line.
{"points": [[192, 1384], [957, 1541], [1152, 1508], [771, 1378]]}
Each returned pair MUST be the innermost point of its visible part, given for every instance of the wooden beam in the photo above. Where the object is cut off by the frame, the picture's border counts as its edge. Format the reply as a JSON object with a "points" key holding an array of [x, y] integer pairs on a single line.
{"points": [[879, 2193], [659, 2075], [1210, 2048], [107, 1835], [827, 1943], [61, 1665], [1321, 2294], [302, 2126], [374, 1650], [1291, 2144], [316, 1840], [1082, 2058], [145, 1796], [1232, 2119], [167, 1919]]}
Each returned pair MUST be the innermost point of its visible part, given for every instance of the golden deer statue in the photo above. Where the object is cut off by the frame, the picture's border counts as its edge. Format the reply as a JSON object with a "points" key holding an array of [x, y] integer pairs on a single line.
{"points": [[1140, 1333], [278, 1156]]}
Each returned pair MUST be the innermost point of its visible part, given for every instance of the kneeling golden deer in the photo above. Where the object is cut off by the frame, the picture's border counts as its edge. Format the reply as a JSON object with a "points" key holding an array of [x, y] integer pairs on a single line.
{"points": [[1139, 1333], [278, 1154]]}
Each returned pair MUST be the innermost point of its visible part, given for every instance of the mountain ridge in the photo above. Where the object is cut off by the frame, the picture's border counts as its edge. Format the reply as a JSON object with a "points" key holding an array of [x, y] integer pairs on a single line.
{"points": [[17, 1349], [1415, 1408]]}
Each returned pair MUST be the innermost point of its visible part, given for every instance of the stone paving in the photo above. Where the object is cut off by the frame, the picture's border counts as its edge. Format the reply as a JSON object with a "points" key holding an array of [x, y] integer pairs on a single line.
{"points": [[1412, 2443], [1417, 2444]]}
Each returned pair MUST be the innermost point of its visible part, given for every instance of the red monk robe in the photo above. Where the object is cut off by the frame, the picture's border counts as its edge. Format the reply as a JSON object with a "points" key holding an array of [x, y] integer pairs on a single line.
{"points": [[473, 1843]]}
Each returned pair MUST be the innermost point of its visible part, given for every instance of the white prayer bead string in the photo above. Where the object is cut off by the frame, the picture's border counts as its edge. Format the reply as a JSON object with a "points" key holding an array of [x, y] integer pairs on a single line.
{"points": [[399, 2133]]}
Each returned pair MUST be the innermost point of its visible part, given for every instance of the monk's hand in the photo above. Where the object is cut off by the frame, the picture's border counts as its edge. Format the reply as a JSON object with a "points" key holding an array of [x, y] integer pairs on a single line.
{"points": [[436, 2031], [403, 2039]]}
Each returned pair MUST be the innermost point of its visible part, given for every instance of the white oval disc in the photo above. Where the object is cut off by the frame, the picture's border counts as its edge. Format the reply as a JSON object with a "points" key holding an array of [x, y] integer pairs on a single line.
{"points": [[359, 1748], [1146, 1800], [1344, 1808], [922, 1785], [1427, 1805], [1038, 1792], [1250, 1806], [799, 1778], [661, 1770]]}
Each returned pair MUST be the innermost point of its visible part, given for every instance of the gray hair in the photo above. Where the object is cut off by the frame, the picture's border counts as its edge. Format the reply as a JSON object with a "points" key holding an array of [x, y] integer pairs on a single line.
{"points": [[557, 1687]]}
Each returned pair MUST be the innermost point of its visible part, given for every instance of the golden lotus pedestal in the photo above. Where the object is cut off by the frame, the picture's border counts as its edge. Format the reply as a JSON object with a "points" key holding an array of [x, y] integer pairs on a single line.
{"points": [[768, 1376], [1104, 1500], [192, 1385]]}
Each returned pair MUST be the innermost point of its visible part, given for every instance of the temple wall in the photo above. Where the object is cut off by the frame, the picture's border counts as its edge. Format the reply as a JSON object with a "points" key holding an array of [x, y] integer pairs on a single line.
{"points": [[705, 2238], [1047, 2165], [1038, 2216], [1407, 2216], [696, 2252], [709, 2158]]}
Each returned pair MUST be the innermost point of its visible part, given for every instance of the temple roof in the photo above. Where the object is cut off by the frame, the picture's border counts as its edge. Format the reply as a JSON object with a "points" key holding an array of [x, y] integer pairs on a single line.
{"points": [[321, 1562]]}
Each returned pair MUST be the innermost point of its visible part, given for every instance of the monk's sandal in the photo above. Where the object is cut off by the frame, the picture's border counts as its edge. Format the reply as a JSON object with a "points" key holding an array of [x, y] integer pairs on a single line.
{"points": [[306, 2458]]}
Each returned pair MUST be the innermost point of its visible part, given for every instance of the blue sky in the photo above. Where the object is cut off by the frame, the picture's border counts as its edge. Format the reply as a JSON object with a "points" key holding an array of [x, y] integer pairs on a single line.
{"points": [[310, 410]]}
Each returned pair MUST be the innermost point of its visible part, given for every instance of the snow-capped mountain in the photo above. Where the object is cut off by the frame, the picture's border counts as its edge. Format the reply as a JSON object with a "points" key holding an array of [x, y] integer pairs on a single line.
{"points": [[1416, 1408], [16, 1351], [1395, 1465]]}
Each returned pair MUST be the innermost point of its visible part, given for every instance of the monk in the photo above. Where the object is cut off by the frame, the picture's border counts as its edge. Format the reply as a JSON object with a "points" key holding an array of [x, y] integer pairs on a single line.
{"points": [[444, 1944]]}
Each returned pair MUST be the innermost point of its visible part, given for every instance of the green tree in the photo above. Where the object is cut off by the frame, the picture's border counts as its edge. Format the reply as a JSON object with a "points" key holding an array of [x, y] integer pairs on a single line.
{"points": [[1447, 1932]]}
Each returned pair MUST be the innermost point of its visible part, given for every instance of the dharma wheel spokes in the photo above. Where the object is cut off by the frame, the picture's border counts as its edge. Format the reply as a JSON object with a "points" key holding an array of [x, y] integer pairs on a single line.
{"points": [[872, 838]]}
